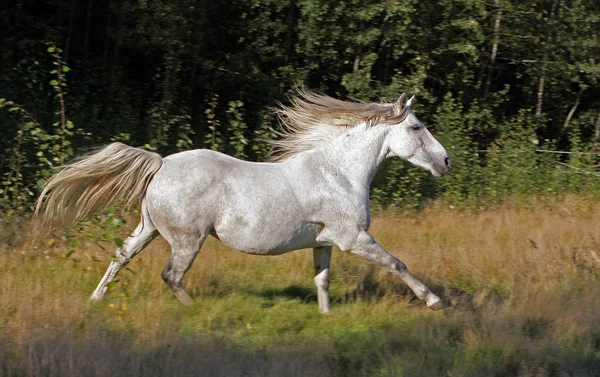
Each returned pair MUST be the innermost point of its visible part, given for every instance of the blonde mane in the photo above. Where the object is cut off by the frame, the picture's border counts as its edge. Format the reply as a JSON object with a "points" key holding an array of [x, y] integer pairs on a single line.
{"points": [[315, 119]]}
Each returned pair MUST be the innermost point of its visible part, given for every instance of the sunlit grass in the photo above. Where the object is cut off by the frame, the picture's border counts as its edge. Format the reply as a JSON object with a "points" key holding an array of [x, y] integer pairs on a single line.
{"points": [[523, 284]]}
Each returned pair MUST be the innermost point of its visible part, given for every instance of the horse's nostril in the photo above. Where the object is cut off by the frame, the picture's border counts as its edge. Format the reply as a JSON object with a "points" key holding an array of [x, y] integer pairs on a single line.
{"points": [[447, 161]]}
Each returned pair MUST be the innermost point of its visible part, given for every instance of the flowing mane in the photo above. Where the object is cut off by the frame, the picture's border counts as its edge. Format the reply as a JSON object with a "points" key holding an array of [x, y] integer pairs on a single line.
{"points": [[315, 119]]}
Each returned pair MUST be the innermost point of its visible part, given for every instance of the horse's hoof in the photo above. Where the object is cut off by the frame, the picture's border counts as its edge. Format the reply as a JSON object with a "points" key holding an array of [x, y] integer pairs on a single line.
{"points": [[184, 298], [439, 305]]}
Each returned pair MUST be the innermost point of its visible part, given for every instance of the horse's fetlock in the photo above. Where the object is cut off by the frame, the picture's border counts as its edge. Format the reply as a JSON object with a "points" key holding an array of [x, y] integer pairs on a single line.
{"points": [[321, 283], [322, 279]]}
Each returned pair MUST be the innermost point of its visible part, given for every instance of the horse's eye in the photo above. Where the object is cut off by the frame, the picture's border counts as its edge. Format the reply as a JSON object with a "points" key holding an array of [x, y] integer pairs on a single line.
{"points": [[416, 128]]}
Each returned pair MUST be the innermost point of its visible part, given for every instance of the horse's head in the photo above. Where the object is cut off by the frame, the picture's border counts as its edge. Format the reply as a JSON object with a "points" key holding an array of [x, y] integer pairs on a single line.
{"points": [[411, 141]]}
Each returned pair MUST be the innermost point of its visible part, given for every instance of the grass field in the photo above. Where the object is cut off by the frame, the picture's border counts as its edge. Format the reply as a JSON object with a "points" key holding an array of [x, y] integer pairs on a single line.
{"points": [[523, 282]]}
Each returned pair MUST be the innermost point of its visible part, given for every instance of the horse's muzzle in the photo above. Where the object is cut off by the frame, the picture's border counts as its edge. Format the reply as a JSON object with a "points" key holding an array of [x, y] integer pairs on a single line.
{"points": [[439, 170], [448, 164]]}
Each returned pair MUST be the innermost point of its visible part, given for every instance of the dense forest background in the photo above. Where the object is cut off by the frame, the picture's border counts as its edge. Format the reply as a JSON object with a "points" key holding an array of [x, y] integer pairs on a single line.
{"points": [[498, 82]]}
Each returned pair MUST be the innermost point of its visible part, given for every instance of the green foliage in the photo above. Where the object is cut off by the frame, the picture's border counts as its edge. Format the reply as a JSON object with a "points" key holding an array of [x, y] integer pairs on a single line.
{"points": [[456, 128], [62, 127], [494, 81], [110, 221], [237, 128], [32, 149], [213, 138], [263, 133]]}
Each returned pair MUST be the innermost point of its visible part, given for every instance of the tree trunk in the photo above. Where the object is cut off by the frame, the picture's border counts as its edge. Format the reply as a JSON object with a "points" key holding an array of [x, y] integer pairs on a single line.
{"points": [[597, 134], [540, 96], [547, 42], [494, 53], [356, 64], [572, 111]]}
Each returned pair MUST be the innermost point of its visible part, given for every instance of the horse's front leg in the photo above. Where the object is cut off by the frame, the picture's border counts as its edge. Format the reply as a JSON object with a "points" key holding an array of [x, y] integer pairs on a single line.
{"points": [[365, 246], [322, 259]]}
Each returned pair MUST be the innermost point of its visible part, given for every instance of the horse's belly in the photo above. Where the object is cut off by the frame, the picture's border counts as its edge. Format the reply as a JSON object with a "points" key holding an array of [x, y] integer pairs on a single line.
{"points": [[268, 240]]}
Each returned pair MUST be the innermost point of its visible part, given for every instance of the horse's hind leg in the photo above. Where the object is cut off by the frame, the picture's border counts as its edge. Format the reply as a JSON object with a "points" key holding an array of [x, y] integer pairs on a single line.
{"points": [[322, 259], [143, 234], [184, 251], [365, 246]]}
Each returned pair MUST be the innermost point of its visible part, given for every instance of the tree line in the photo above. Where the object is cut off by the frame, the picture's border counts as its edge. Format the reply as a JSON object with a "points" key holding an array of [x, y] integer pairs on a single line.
{"points": [[495, 81]]}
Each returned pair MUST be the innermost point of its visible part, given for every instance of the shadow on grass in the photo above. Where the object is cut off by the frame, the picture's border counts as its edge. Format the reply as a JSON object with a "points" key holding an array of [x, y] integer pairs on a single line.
{"points": [[373, 288], [293, 292], [370, 288]]}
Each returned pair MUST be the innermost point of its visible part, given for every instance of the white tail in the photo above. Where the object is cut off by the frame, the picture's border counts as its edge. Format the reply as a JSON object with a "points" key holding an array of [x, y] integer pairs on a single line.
{"points": [[91, 183]]}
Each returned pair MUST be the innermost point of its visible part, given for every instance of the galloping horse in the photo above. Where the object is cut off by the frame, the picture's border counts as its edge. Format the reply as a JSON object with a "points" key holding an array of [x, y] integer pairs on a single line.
{"points": [[315, 194]]}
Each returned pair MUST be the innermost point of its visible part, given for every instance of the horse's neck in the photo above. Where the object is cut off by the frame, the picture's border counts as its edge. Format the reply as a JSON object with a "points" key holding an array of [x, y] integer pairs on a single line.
{"points": [[358, 153]]}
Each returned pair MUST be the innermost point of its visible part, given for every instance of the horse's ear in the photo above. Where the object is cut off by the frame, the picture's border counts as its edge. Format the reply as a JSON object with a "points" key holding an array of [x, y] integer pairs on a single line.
{"points": [[399, 105], [410, 101]]}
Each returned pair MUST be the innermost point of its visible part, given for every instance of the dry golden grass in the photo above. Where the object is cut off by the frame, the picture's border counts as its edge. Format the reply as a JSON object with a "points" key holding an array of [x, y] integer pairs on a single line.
{"points": [[523, 281]]}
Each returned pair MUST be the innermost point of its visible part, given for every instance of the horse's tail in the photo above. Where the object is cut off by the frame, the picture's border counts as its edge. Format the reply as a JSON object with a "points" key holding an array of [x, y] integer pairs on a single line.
{"points": [[89, 184]]}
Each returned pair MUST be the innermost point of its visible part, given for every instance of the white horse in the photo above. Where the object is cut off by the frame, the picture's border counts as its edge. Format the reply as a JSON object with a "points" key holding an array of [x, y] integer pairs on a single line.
{"points": [[315, 194]]}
